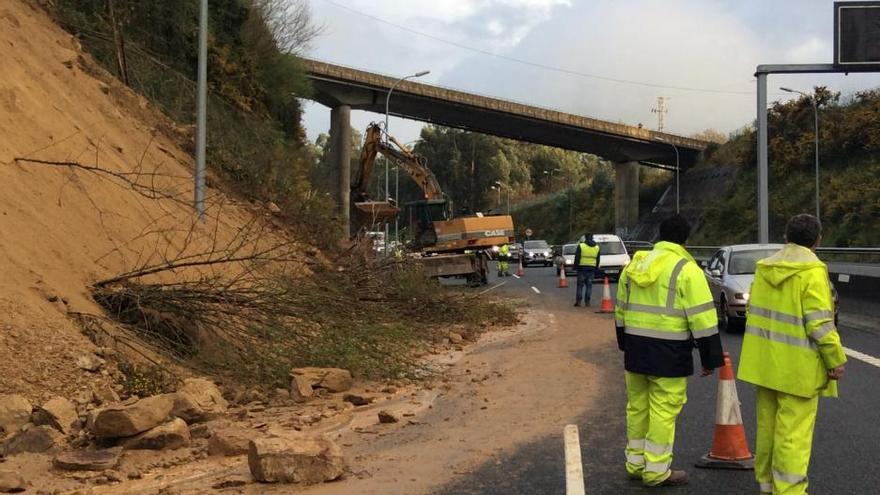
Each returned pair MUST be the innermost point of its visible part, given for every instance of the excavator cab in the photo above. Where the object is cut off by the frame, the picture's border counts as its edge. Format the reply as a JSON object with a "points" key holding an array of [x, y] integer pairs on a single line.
{"points": [[422, 215]]}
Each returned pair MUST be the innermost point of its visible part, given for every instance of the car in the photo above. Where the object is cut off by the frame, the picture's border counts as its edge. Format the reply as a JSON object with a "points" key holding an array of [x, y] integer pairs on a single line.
{"points": [[568, 251], [730, 273], [537, 252], [613, 256], [632, 247]]}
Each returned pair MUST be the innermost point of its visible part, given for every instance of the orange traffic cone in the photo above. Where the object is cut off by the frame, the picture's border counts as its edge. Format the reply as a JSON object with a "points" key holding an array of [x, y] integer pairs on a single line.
{"points": [[563, 282], [607, 306], [519, 271], [730, 450]]}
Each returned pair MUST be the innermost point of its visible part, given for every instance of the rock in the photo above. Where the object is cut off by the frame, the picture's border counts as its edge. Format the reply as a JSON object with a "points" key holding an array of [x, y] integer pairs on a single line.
{"points": [[206, 395], [199, 430], [90, 362], [119, 420], [135, 475], [332, 379], [282, 394], [455, 338], [11, 482], [229, 441], [104, 394], [387, 417], [356, 399], [169, 436], [295, 460], [88, 460], [300, 388], [113, 476], [273, 207], [59, 413], [186, 408], [15, 412], [34, 440], [229, 483]]}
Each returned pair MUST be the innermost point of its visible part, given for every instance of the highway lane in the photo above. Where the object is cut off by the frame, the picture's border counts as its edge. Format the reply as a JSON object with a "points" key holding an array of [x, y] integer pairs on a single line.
{"points": [[846, 433]]}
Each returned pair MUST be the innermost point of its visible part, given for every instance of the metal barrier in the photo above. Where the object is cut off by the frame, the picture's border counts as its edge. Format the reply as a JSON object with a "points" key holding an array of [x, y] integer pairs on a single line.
{"points": [[840, 255]]}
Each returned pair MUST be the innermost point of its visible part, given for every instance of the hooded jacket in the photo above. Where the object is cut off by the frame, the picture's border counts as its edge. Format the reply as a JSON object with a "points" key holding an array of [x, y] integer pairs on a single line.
{"points": [[791, 341], [664, 309]]}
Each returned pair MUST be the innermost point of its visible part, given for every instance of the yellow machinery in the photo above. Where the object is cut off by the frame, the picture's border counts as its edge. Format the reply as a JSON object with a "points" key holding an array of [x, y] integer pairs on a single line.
{"points": [[449, 246]]}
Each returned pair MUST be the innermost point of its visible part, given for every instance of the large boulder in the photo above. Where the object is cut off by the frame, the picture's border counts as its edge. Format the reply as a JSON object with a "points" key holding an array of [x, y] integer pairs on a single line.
{"points": [[11, 482], [34, 440], [300, 388], [229, 441], [15, 412], [169, 436], [332, 379], [88, 460], [59, 413], [119, 420], [295, 460], [205, 396]]}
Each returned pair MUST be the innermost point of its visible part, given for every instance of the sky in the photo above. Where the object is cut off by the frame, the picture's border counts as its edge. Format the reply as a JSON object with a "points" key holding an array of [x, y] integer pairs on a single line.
{"points": [[606, 59]]}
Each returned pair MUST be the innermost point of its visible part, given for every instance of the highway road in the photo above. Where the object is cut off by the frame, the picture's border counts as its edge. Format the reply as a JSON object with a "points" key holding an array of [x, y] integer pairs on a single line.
{"points": [[845, 443]]}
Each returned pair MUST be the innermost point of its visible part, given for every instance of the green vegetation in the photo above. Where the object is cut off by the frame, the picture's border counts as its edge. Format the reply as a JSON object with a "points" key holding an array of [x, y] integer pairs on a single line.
{"points": [[849, 158], [255, 138]]}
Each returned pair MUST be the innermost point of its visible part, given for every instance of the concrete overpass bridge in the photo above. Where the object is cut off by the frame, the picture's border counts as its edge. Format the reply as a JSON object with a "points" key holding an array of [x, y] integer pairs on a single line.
{"points": [[344, 88]]}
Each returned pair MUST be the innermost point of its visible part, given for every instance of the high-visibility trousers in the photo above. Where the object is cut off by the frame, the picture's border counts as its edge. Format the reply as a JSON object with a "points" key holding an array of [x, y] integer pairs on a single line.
{"points": [[503, 267], [653, 404], [784, 441]]}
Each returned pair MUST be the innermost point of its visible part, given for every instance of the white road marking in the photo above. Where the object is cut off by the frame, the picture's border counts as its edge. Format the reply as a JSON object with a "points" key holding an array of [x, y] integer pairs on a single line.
{"points": [[574, 468], [536, 290], [861, 356], [493, 287], [515, 276]]}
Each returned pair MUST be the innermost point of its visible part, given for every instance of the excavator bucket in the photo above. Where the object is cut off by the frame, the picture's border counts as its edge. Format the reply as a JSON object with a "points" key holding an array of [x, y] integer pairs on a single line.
{"points": [[377, 211]]}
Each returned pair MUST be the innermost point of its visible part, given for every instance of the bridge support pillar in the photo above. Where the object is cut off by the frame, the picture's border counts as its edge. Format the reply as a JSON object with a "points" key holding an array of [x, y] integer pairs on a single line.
{"points": [[626, 197], [340, 159]]}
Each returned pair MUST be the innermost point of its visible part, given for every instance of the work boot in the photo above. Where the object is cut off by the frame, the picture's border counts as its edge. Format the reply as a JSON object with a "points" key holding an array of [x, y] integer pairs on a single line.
{"points": [[676, 478], [577, 304], [587, 303]]}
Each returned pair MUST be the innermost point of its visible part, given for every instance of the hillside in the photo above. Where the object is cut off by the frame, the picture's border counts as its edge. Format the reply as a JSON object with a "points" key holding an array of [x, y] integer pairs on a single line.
{"points": [[63, 228]]}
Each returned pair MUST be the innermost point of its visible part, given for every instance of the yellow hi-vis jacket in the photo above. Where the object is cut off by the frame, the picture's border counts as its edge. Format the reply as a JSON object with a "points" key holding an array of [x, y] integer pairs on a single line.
{"points": [[664, 309], [589, 255], [791, 341]]}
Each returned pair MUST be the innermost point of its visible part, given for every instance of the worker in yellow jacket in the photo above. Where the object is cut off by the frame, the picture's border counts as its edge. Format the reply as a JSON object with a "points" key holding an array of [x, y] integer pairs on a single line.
{"points": [[791, 351], [664, 309]]}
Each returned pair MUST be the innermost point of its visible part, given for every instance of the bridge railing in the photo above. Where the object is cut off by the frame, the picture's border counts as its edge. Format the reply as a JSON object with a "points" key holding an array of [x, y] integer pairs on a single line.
{"points": [[866, 255]]}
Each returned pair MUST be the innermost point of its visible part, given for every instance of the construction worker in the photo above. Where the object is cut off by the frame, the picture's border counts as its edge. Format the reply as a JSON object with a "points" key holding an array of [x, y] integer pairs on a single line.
{"points": [[664, 309], [791, 351], [586, 261], [503, 259]]}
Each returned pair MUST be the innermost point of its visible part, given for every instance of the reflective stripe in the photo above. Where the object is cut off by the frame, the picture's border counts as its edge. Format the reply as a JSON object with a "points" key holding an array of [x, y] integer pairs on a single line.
{"points": [[702, 308], [779, 337], [619, 322], [823, 330], [657, 310], [765, 487], [708, 332], [658, 467], [673, 283], [792, 479], [775, 315], [818, 315], [637, 459], [657, 449], [636, 444], [658, 334]]}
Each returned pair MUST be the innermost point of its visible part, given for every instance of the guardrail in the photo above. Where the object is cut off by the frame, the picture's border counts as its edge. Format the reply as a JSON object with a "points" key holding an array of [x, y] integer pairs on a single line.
{"points": [[840, 255]]}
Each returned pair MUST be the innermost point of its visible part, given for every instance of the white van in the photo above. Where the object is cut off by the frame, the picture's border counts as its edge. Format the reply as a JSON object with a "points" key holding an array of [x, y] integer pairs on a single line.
{"points": [[612, 255]]}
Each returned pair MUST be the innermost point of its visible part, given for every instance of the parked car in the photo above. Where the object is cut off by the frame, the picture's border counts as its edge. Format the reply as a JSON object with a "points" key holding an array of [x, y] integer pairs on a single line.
{"points": [[613, 256], [568, 251], [632, 247], [730, 273], [537, 253]]}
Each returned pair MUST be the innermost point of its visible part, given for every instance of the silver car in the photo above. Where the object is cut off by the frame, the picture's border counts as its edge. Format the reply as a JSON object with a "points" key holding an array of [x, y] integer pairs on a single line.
{"points": [[730, 272]]}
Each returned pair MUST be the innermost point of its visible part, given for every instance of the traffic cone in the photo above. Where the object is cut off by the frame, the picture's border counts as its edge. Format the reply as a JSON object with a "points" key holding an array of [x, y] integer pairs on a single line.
{"points": [[519, 271], [607, 306], [563, 282], [730, 450]]}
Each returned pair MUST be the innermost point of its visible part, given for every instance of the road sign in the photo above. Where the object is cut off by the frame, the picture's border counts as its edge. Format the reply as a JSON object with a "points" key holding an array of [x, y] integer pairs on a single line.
{"points": [[529, 232], [857, 35]]}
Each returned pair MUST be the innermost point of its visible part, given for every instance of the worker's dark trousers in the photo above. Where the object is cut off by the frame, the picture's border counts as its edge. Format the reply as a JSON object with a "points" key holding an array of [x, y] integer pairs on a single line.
{"points": [[584, 284]]}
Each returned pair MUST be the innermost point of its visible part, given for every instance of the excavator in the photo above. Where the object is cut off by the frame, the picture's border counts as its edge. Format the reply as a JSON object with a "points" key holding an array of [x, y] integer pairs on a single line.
{"points": [[446, 246]]}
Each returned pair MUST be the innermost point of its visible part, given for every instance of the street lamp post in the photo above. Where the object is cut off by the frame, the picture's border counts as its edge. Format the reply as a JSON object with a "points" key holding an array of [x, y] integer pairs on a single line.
{"points": [[677, 173], [815, 103], [201, 111], [500, 185], [387, 108], [498, 202]]}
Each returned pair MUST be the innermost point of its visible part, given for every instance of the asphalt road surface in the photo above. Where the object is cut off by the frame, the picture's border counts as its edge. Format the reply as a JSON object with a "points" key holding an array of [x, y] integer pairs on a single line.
{"points": [[844, 448]]}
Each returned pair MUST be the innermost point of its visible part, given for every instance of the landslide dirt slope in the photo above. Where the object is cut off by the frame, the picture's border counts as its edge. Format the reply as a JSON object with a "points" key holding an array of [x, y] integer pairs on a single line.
{"points": [[61, 229]]}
